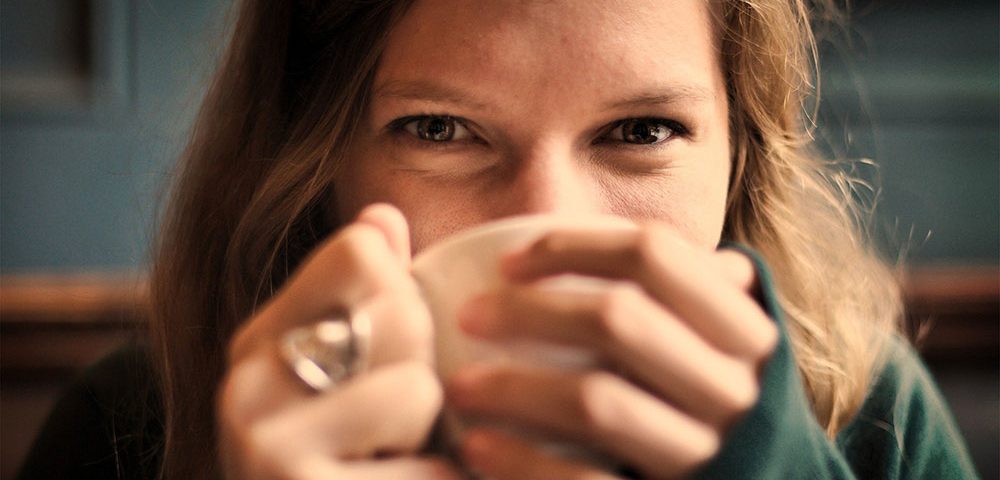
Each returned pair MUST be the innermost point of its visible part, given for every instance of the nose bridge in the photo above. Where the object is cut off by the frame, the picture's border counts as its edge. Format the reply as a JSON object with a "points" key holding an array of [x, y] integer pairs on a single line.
{"points": [[550, 179]]}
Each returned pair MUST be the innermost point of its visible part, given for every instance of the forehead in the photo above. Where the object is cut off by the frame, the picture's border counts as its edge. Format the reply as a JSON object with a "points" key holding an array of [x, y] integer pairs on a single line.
{"points": [[562, 47]]}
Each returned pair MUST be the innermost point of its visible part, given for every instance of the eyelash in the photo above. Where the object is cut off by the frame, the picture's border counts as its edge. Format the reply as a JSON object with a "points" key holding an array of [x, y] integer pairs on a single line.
{"points": [[676, 129], [398, 128]]}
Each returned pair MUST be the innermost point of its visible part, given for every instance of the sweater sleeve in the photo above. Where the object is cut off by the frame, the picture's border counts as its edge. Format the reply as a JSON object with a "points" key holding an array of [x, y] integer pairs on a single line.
{"points": [[903, 430]]}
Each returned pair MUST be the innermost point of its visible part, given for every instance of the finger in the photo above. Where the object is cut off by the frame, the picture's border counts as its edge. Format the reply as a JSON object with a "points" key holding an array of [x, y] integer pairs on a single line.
{"points": [[671, 271], [361, 418], [321, 467], [392, 223], [593, 407], [630, 331], [399, 468], [340, 275], [262, 381], [401, 328], [738, 268], [557, 250], [496, 455], [356, 264], [256, 386]]}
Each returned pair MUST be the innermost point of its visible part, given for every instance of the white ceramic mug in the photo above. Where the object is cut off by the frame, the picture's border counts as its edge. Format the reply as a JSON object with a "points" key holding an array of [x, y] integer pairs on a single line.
{"points": [[466, 264]]}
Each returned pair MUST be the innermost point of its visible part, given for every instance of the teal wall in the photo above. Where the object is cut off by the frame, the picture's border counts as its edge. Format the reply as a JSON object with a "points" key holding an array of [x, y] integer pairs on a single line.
{"points": [[82, 167], [916, 87], [92, 122]]}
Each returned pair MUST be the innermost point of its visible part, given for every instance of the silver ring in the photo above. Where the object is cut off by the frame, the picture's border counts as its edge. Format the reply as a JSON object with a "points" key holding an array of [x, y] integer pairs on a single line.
{"points": [[330, 351]]}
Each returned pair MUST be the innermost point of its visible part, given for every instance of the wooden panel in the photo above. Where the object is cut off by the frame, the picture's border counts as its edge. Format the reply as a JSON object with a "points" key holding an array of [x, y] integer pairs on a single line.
{"points": [[60, 324], [953, 313], [72, 299]]}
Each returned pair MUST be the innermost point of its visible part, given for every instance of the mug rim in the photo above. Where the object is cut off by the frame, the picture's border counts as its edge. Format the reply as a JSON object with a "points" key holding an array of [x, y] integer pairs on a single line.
{"points": [[506, 223]]}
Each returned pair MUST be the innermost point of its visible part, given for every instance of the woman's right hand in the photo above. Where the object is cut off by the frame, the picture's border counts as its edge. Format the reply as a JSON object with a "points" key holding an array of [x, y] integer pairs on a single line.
{"points": [[371, 425]]}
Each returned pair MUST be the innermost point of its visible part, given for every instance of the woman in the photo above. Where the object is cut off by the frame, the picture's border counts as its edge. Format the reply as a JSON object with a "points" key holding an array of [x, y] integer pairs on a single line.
{"points": [[685, 117]]}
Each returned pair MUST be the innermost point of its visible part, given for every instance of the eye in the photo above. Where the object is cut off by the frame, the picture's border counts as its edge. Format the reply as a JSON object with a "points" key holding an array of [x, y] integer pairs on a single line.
{"points": [[436, 128], [644, 131]]}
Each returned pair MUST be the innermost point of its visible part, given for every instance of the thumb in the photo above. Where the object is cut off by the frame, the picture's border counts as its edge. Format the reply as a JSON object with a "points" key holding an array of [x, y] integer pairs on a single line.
{"points": [[398, 335], [391, 222]]}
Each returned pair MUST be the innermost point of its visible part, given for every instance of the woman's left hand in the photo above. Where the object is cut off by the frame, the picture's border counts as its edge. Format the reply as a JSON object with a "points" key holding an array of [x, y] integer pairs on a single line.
{"points": [[680, 335]]}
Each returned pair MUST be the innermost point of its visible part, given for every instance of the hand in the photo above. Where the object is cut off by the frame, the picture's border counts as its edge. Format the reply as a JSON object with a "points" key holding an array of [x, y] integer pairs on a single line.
{"points": [[682, 339], [272, 426]]}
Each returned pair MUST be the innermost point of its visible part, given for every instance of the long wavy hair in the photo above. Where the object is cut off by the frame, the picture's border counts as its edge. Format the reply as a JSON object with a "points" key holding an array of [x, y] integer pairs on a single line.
{"points": [[251, 195]]}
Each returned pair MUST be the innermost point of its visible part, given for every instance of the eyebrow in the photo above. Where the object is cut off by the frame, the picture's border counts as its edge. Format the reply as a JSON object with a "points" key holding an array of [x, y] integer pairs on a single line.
{"points": [[425, 90], [664, 96]]}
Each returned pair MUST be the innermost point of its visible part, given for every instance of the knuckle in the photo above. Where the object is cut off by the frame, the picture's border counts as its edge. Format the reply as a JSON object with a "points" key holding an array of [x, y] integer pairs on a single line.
{"points": [[419, 325], [423, 386], [761, 340], [249, 338], [402, 329], [359, 238], [596, 401], [355, 262], [762, 334], [704, 445], [238, 399], [734, 391], [769, 339], [232, 392], [264, 436], [550, 244], [359, 243], [734, 263], [361, 250], [650, 242], [742, 393], [615, 320]]}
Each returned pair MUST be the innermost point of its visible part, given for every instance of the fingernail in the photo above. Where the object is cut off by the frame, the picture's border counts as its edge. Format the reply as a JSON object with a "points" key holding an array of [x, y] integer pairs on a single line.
{"points": [[460, 389], [476, 448], [478, 316], [512, 263]]}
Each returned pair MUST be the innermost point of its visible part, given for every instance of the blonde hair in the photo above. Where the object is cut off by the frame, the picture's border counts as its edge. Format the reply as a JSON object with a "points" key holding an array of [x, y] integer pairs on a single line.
{"points": [[840, 300], [255, 182]]}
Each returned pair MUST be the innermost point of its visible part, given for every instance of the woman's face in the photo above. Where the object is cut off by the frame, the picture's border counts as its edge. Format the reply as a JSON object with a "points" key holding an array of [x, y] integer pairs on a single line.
{"points": [[482, 110]]}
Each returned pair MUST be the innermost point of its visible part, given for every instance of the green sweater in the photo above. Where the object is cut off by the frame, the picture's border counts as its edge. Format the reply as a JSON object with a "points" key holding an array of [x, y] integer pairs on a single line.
{"points": [[903, 429]]}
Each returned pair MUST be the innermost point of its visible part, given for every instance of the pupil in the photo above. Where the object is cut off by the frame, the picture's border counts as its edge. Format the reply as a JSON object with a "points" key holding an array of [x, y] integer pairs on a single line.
{"points": [[643, 132], [436, 129]]}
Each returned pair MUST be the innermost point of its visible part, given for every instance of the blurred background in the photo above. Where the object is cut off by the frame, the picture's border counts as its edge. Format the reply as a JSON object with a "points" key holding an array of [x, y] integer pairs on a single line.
{"points": [[96, 98]]}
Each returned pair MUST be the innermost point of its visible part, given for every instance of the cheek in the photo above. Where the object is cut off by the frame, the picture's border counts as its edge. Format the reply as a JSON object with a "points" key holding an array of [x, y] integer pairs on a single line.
{"points": [[350, 195], [360, 182], [692, 202], [432, 213]]}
